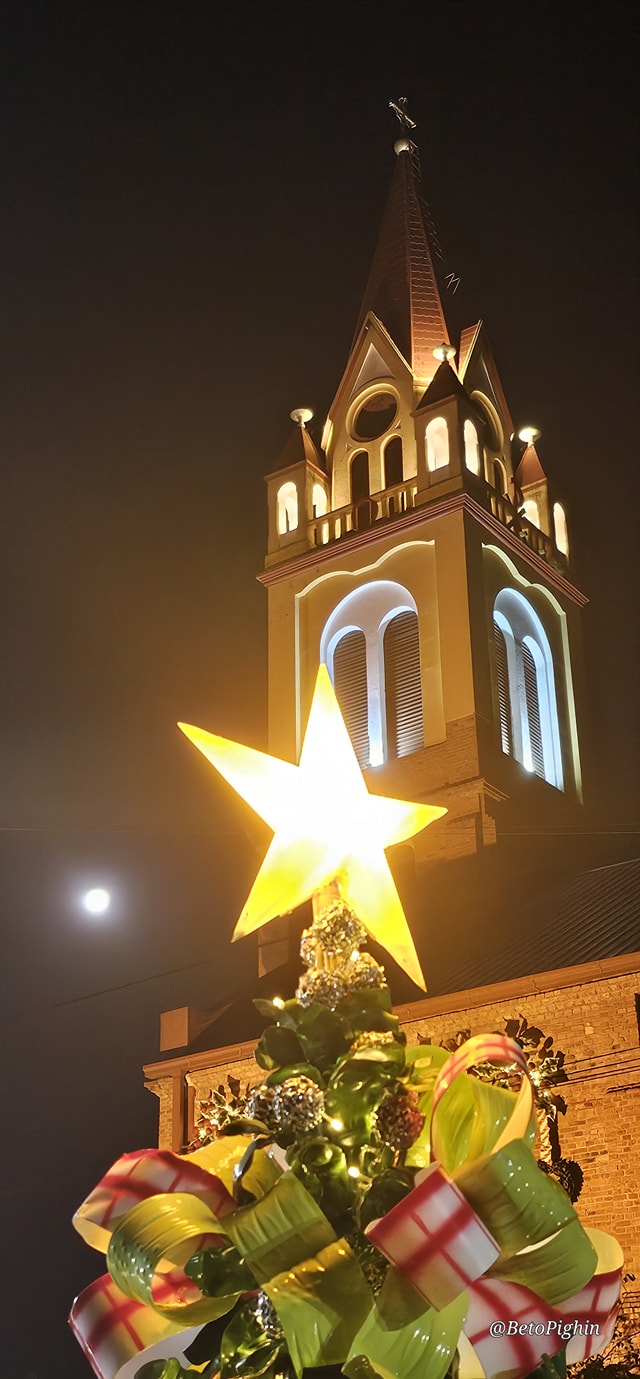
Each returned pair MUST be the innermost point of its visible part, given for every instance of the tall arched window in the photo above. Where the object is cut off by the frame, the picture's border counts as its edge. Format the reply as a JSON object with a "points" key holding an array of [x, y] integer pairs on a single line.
{"points": [[560, 528], [360, 476], [287, 508], [392, 459], [402, 685], [382, 618], [437, 440], [471, 448], [527, 705], [350, 684]]}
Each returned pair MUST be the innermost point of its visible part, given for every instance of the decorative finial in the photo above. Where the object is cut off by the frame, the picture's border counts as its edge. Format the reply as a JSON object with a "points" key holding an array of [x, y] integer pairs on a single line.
{"points": [[301, 415]]}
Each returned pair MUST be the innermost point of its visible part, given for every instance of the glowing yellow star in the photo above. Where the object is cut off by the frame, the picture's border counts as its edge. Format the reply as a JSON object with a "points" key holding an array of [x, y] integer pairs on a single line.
{"points": [[326, 825]]}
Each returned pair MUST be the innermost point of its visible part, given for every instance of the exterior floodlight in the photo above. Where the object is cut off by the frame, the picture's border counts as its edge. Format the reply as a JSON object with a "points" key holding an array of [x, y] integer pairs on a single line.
{"points": [[529, 434], [301, 415]]}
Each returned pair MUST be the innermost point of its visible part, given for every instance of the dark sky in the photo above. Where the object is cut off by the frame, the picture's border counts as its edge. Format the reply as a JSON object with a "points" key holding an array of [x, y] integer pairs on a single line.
{"points": [[190, 198]]}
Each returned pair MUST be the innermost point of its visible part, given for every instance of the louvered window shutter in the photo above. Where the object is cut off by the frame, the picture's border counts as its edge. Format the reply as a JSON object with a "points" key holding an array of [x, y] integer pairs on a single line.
{"points": [[350, 684], [403, 687], [504, 701], [533, 710]]}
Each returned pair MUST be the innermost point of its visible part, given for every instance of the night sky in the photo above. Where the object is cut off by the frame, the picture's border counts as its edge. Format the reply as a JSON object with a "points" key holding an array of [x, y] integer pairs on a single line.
{"points": [[190, 199]]}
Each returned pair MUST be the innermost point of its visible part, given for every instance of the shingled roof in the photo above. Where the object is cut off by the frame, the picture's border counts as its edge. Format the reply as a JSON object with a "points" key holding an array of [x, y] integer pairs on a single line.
{"points": [[402, 290]]}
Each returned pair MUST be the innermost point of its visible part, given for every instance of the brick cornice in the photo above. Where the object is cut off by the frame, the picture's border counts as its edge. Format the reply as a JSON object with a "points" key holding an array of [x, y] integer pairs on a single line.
{"points": [[556, 980]]}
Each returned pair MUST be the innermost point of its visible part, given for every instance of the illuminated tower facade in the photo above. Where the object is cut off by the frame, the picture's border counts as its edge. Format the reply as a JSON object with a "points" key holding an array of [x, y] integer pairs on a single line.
{"points": [[421, 554]]}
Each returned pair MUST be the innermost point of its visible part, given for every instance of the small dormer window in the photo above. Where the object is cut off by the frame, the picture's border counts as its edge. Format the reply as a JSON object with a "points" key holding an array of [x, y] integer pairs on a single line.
{"points": [[437, 441], [287, 508], [471, 448], [531, 511]]}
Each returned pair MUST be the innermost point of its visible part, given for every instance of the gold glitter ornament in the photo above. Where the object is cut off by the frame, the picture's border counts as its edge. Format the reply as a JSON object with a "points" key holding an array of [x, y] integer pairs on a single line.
{"points": [[300, 1104], [325, 988], [364, 971], [262, 1104]]}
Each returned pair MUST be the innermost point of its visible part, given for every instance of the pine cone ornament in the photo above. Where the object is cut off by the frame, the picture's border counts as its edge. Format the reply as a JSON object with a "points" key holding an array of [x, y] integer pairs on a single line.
{"points": [[399, 1119], [300, 1105], [262, 1104]]}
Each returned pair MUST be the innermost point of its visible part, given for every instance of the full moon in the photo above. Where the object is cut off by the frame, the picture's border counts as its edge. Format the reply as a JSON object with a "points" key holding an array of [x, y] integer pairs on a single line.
{"points": [[96, 901]]}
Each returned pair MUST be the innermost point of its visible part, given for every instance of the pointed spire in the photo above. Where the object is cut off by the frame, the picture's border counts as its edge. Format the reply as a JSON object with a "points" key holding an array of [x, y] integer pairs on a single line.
{"points": [[530, 470], [402, 290]]}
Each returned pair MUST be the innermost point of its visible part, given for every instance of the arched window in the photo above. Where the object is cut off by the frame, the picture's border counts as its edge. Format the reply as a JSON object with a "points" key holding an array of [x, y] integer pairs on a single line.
{"points": [[393, 462], [350, 684], [527, 706], [402, 685], [383, 614], [471, 448], [500, 478], [287, 508], [319, 501], [359, 476], [560, 528], [437, 438], [531, 511]]}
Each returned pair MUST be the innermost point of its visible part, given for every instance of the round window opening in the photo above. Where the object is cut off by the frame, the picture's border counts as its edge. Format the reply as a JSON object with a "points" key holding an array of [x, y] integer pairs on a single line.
{"points": [[375, 416]]}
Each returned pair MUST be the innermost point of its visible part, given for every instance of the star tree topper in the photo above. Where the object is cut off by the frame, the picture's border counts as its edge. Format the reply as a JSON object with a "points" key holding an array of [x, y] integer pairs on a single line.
{"points": [[326, 826]]}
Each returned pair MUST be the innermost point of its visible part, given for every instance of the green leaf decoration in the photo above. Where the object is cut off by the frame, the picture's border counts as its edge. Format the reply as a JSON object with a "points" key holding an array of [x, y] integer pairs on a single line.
{"points": [[247, 1350], [402, 1338], [321, 1166], [296, 1070], [324, 1035], [385, 1192], [280, 1230], [518, 1203], [321, 1302], [220, 1272], [277, 1047], [172, 1369], [361, 1368], [423, 1064], [553, 1366]]}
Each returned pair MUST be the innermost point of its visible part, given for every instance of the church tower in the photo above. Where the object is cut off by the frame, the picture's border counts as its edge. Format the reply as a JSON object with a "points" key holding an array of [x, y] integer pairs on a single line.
{"points": [[422, 555]]}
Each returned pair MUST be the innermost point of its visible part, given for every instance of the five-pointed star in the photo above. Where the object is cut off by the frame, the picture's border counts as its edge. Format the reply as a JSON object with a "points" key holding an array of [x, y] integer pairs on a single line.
{"points": [[326, 825]]}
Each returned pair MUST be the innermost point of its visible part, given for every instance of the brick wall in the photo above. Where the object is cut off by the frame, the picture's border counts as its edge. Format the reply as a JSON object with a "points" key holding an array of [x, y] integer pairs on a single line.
{"points": [[590, 1011]]}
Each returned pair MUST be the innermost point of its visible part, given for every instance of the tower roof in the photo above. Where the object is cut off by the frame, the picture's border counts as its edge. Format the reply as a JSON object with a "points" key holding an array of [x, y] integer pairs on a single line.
{"points": [[402, 289], [445, 383], [530, 470], [299, 447]]}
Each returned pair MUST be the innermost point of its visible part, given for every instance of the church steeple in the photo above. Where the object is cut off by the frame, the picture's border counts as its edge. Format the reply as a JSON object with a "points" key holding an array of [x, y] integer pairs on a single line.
{"points": [[402, 290]]}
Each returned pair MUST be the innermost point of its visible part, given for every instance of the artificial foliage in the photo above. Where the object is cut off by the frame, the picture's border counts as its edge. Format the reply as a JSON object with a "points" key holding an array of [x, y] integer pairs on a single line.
{"points": [[277, 1249]]}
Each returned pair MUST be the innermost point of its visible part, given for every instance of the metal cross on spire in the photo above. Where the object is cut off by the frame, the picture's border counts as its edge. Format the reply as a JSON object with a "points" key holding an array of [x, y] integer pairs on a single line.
{"points": [[399, 108]]}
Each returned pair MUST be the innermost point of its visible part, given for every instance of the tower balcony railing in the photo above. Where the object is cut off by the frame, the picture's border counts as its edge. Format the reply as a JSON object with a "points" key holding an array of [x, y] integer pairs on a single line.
{"points": [[392, 502], [510, 516], [355, 517]]}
